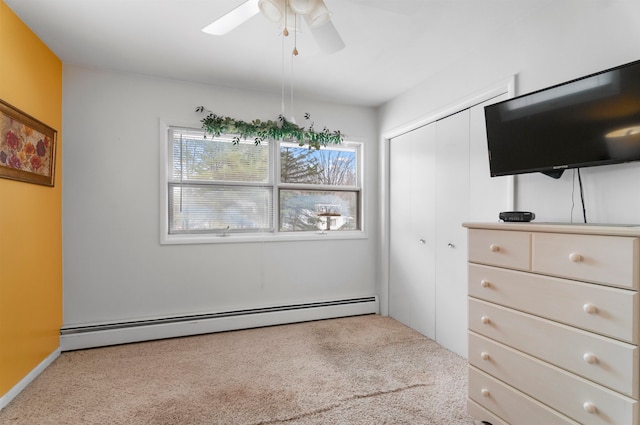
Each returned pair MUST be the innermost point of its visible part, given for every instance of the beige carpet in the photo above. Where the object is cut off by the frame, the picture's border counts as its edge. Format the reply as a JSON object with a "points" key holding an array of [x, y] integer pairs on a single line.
{"points": [[358, 370]]}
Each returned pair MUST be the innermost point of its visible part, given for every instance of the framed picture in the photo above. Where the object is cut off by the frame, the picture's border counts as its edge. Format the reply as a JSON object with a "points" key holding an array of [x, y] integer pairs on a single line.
{"points": [[27, 147]]}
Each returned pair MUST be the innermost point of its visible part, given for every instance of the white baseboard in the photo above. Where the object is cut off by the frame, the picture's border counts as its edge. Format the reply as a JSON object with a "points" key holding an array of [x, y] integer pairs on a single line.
{"points": [[17, 389], [81, 337]]}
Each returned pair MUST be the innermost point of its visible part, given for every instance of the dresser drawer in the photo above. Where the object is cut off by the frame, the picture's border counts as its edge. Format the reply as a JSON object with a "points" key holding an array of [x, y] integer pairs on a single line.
{"points": [[601, 309], [482, 414], [508, 403], [577, 398], [611, 260], [500, 248], [606, 361]]}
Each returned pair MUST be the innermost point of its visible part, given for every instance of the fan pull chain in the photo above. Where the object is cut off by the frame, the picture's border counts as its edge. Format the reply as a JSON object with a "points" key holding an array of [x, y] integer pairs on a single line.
{"points": [[295, 52], [295, 35], [285, 32], [282, 78]]}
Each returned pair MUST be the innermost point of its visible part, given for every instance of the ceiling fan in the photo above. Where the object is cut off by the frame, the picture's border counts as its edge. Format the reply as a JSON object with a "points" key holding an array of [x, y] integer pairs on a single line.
{"points": [[287, 14]]}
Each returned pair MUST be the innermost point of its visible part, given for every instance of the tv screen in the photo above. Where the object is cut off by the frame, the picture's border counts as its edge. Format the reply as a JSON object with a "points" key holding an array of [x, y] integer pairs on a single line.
{"points": [[593, 120]]}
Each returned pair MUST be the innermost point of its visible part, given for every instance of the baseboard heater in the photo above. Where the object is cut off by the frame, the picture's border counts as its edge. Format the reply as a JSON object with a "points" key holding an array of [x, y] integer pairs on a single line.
{"points": [[98, 335]]}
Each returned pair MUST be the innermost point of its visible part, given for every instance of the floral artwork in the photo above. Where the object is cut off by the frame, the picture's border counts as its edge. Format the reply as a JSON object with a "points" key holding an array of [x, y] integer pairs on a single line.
{"points": [[27, 147]]}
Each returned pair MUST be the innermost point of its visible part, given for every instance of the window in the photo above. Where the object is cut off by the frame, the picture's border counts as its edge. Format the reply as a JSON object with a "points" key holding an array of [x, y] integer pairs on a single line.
{"points": [[318, 188], [217, 188]]}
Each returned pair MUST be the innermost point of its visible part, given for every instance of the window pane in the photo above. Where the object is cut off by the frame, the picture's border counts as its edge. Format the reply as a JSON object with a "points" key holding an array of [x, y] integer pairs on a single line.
{"points": [[196, 158], [328, 165], [318, 210], [209, 209]]}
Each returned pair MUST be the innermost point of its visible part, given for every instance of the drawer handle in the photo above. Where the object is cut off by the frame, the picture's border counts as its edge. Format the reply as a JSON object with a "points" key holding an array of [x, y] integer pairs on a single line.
{"points": [[590, 308], [485, 356], [485, 320], [590, 407], [485, 392], [590, 358], [494, 247], [575, 257], [485, 283]]}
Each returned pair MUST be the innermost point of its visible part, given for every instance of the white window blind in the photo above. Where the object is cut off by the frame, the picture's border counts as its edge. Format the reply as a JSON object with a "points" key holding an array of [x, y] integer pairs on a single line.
{"points": [[216, 186]]}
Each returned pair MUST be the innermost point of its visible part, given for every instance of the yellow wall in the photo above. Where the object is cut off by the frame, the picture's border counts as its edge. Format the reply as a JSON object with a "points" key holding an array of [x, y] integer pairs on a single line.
{"points": [[30, 215]]}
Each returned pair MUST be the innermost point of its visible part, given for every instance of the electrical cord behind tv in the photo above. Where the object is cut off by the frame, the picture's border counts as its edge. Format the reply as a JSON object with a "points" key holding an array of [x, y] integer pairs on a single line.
{"points": [[584, 211]]}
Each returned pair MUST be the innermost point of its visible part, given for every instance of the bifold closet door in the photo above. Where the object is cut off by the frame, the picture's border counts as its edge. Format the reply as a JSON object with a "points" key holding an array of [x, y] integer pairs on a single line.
{"points": [[439, 178], [412, 234]]}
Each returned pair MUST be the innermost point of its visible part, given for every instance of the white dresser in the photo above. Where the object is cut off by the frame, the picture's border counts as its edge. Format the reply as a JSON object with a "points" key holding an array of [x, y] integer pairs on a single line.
{"points": [[554, 324]]}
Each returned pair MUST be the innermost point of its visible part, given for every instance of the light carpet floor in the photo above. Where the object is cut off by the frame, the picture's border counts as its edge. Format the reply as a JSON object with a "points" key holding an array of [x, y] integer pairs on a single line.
{"points": [[357, 370]]}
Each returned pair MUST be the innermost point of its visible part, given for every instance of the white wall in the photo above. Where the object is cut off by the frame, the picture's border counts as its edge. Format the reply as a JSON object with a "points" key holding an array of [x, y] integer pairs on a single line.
{"points": [[114, 266], [563, 41]]}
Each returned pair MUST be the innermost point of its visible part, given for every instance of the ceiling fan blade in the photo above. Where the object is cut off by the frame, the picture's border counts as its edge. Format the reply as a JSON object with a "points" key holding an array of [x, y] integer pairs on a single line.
{"points": [[327, 38], [233, 19]]}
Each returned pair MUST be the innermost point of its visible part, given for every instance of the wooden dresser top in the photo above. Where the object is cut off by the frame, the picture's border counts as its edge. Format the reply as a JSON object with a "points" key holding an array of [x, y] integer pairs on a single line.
{"points": [[577, 228]]}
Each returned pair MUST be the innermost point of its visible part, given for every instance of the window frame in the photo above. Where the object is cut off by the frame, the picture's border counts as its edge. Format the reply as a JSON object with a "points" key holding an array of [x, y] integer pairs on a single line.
{"points": [[276, 185]]}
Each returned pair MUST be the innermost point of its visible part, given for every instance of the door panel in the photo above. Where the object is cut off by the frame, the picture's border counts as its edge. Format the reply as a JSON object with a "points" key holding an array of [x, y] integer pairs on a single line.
{"points": [[452, 201], [400, 253], [411, 271], [423, 218]]}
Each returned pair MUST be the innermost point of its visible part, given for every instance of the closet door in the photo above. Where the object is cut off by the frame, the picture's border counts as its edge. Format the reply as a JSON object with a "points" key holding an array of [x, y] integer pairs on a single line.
{"points": [[439, 178], [452, 209], [412, 233]]}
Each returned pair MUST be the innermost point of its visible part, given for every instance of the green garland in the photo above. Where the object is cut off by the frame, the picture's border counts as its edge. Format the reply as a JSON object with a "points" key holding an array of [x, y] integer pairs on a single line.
{"points": [[264, 130]]}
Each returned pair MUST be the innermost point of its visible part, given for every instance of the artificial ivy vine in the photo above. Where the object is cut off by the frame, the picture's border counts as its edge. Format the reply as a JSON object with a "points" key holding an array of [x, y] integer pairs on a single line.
{"points": [[263, 130]]}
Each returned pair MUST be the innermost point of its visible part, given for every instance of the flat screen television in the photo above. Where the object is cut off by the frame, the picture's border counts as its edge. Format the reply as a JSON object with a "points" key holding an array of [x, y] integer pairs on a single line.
{"points": [[593, 120]]}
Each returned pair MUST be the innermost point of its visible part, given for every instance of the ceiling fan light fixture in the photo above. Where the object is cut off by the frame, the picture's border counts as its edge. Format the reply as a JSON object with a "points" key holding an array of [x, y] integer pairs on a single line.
{"points": [[319, 15], [302, 7], [273, 10]]}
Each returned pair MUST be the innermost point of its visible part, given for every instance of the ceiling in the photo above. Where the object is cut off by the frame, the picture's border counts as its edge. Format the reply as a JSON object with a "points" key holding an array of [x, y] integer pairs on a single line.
{"points": [[391, 45]]}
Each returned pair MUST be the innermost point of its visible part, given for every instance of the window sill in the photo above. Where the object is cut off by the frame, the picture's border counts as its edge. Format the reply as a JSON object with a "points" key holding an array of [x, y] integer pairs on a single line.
{"points": [[267, 237]]}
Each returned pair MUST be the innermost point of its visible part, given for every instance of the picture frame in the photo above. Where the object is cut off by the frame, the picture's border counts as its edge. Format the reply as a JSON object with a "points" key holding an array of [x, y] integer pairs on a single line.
{"points": [[27, 147]]}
